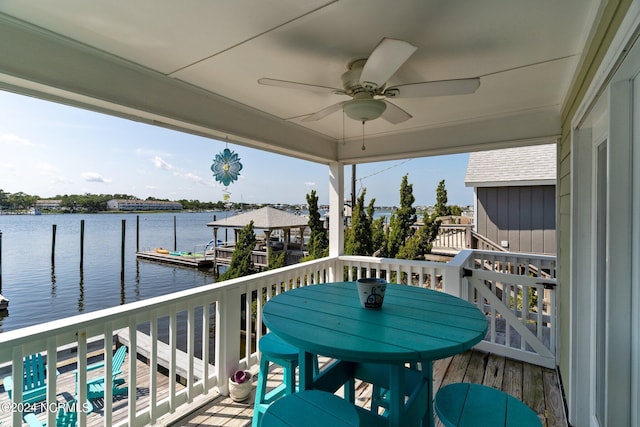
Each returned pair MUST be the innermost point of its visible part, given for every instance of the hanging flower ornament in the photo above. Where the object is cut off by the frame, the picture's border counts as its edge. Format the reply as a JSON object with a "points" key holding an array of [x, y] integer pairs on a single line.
{"points": [[226, 167]]}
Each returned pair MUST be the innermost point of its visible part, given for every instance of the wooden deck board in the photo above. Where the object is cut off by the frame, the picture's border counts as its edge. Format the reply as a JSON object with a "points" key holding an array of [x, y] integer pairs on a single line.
{"points": [[494, 371], [488, 369], [533, 395], [554, 405], [512, 381], [538, 385]]}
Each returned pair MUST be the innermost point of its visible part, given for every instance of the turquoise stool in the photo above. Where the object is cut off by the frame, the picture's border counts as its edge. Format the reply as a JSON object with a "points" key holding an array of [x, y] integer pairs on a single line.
{"points": [[467, 405], [274, 350], [311, 408]]}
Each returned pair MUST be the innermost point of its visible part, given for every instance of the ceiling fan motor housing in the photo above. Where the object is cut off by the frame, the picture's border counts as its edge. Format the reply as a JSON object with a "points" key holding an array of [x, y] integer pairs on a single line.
{"points": [[351, 77]]}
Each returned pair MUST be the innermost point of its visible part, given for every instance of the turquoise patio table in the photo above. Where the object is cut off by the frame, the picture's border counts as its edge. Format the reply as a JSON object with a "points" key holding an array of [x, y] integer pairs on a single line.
{"points": [[413, 325]]}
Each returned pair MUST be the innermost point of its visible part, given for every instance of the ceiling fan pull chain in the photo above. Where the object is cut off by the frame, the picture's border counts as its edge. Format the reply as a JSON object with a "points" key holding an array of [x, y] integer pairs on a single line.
{"points": [[363, 147]]}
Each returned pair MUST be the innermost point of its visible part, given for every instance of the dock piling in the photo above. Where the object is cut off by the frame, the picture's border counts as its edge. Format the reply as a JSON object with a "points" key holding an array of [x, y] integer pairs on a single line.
{"points": [[81, 244], [53, 244], [124, 223]]}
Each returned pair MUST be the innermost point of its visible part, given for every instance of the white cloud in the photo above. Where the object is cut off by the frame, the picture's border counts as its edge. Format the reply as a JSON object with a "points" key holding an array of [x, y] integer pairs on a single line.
{"points": [[197, 179], [51, 173], [161, 164], [95, 177], [310, 184], [11, 138]]}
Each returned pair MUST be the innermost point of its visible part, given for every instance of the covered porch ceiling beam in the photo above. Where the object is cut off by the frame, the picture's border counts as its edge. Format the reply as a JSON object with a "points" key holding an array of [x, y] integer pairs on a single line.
{"points": [[519, 129]]}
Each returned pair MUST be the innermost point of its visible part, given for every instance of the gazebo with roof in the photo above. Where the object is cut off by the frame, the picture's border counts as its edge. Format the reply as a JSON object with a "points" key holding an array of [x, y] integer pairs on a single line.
{"points": [[267, 219]]}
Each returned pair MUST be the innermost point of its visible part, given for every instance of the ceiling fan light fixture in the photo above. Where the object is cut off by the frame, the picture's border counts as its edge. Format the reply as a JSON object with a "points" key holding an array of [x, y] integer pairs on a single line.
{"points": [[364, 110]]}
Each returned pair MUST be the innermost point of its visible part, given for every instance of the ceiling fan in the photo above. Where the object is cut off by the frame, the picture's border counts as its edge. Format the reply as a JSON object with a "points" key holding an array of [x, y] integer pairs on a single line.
{"points": [[366, 82]]}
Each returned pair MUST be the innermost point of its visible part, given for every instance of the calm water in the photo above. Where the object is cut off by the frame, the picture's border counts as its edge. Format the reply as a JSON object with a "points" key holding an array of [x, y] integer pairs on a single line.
{"points": [[40, 291]]}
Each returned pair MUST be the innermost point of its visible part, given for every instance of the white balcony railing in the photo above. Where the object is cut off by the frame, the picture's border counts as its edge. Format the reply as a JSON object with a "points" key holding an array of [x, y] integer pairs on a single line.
{"points": [[211, 330]]}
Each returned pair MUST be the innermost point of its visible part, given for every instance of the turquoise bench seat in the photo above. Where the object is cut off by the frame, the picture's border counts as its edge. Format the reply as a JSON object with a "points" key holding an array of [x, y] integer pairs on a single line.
{"points": [[312, 408], [274, 350], [475, 405]]}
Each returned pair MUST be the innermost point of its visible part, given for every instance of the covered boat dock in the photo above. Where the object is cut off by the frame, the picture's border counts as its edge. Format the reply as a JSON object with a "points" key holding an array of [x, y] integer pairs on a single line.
{"points": [[272, 221]]}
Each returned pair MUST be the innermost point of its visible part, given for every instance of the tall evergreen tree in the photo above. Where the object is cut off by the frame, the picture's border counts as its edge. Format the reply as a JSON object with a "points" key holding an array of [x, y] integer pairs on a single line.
{"points": [[241, 262], [379, 237], [441, 208], [421, 242], [378, 242], [318, 238], [359, 241], [402, 219]]}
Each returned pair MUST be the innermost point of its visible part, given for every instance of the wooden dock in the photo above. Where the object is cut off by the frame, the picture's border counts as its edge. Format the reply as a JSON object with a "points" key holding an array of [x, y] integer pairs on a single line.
{"points": [[185, 260], [143, 346]]}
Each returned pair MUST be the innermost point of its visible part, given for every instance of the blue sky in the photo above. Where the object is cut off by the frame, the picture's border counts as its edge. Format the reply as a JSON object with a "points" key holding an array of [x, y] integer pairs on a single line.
{"points": [[48, 149]]}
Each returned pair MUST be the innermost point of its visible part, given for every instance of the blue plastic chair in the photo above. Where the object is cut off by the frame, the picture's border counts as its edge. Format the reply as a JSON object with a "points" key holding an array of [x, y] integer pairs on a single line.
{"points": [[95, 386], [34, 385]]}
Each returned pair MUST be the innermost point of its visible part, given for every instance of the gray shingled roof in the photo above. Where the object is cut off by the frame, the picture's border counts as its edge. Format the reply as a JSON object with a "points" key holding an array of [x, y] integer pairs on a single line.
{"points": [[264, 219], [532, 165]]}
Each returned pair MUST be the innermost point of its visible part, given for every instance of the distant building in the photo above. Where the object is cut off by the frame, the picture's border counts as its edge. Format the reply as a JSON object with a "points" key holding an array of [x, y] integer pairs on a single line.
{"points": [[142, 205], [47, 204], [515, 197]]}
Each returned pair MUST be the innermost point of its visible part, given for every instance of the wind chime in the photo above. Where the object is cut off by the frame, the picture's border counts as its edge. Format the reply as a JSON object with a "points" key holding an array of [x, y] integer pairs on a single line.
{"points": [[226, 168]]}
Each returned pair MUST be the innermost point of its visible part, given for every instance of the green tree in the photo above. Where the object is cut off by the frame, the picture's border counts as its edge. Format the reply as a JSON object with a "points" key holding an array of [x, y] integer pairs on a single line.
{"points": [[359, 239], [21, 201], [421, 242], [318, 239], [4, 196], [455, 210], [241, 261], [277, 260], [378, 242], [441, 208], [415, 247], [378, 237], [402, 220]]}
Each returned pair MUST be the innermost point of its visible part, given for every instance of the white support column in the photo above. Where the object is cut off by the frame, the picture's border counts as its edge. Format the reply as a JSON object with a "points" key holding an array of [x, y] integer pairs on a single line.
{"points": [[336, 202]]}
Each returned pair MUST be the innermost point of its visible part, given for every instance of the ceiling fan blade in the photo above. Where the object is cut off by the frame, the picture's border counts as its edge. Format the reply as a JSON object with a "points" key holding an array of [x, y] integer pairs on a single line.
{"points": [[436, 88], [299, 86], [324, 112], [394, 114], [385, 60]]}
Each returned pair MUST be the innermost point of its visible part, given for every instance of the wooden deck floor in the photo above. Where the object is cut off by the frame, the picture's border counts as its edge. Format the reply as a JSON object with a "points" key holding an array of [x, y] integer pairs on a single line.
{"points": [[537, 387]]}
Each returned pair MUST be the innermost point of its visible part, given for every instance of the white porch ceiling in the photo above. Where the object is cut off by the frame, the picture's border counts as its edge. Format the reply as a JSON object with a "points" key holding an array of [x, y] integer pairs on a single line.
{"points": [[194, 65]]}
